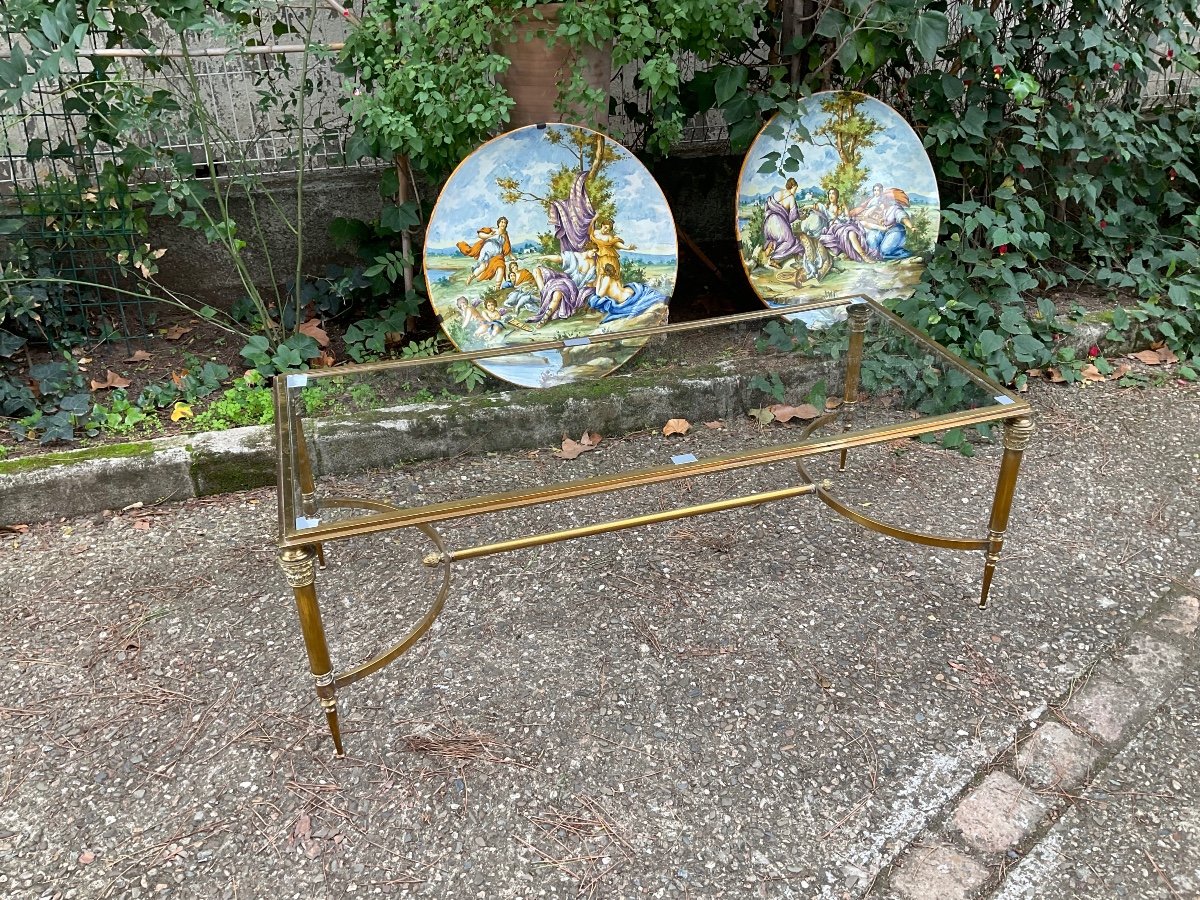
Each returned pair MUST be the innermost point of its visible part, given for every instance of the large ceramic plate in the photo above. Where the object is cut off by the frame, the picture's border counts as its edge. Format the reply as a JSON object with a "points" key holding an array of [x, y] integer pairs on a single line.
{"points": [[545, 233], [840, 199]]}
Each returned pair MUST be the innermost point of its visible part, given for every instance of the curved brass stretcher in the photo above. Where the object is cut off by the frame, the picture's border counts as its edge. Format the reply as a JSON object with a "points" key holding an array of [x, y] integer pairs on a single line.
{"points": [[300, 553]]}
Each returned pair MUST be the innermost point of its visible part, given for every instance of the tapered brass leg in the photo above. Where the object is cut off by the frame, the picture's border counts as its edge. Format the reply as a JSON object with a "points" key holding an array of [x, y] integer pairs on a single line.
{"points": [[1016, 435], [300, 570], [859, 313]]}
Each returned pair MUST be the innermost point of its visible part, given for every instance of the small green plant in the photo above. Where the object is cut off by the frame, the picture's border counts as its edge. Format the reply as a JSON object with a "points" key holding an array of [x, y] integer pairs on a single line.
{"points": [[363, 395], [121, 416], [467, 374], [62, 402], [247, 402], [290, 354], [771, 386], [320, 395], [195, 382], [368, 339]]}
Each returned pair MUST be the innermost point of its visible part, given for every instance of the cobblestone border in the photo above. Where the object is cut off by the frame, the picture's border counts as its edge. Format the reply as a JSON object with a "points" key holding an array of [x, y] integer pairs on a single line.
{"points": [[1010, 806]]}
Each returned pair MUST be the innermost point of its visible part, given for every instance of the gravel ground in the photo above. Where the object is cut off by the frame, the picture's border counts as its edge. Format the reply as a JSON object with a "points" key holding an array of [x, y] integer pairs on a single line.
{"points": [[763, 703]]}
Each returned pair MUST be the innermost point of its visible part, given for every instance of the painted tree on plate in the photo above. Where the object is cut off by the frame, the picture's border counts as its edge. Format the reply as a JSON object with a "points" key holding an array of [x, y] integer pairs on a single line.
{"points": [[849, 133], [593, 155]]}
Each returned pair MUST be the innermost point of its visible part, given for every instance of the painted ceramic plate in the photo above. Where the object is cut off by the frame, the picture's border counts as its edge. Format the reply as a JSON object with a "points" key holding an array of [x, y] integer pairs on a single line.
{"points": [[839, 200], [549, 233]]}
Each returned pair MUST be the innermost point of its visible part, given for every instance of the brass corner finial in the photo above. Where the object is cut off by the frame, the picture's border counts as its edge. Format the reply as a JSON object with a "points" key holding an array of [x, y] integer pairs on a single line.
{"points": [[1017, 433], [859, 313], [298, 566]]}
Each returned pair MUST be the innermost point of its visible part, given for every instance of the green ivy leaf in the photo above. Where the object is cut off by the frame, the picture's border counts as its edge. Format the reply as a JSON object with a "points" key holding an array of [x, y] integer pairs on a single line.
{"points": [[929, 30]]}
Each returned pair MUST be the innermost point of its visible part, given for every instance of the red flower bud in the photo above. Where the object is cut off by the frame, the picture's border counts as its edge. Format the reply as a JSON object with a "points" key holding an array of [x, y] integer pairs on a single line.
{"points": [[1170, 53], [1002, 249], [997, 69], [1021, 166], [1093, 351], [1116, 67], [1171, 174], [1103, 223]]}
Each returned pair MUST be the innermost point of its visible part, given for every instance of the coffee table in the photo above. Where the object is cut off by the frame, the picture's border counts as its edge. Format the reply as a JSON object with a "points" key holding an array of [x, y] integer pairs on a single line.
{"points": [[865, 377]]}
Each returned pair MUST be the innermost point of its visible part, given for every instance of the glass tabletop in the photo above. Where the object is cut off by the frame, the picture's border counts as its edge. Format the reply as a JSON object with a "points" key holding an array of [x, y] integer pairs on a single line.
{"points": [[777, 385]]}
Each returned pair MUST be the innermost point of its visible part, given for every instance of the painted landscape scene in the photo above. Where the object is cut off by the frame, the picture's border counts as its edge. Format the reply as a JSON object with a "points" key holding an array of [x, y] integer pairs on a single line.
{"points": [[839, 200], [550, 233]]}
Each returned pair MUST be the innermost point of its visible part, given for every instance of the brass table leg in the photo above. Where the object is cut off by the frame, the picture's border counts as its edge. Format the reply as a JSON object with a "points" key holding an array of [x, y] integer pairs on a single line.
{"points": [[1016, 435], [300, 571], [859, 314]]}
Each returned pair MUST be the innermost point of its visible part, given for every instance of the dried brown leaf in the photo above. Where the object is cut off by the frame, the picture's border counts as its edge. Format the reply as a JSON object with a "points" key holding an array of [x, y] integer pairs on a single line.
{"points": [[1056, 376], [590, 438], [111, 380], [715, 426], [572, 449], [314, 330], [302, 830], [785, 413], [1149, 357], [175, 332], [833, 402], [1166, 356], [87, 857], [676, 426], [1091, 373], [141, 525], [138, 356]]}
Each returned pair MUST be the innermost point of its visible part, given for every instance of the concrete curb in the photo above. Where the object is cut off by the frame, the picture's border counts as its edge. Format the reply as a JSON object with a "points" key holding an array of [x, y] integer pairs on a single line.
{"points": [[980, 842], [79, 482]]}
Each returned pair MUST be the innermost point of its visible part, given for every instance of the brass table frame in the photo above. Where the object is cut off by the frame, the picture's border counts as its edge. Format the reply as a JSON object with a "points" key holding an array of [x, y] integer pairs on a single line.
{"points": [[301, 549]]}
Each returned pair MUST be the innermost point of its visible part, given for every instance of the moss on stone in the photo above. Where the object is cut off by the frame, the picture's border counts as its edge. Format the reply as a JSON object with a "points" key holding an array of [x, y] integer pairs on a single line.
{"points": [[220, 473], [68, 457]]}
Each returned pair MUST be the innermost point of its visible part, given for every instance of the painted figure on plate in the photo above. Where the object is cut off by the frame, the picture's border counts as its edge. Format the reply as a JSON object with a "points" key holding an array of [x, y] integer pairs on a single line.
{"points": [[840, 200], [583, 243]]}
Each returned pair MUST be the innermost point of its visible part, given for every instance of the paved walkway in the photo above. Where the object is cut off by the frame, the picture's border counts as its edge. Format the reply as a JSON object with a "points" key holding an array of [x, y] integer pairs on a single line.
{"points": [[766, 703]]}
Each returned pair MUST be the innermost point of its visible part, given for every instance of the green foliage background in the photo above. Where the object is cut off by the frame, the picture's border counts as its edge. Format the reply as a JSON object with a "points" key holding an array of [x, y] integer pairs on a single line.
{"points": [[1065, 138]]}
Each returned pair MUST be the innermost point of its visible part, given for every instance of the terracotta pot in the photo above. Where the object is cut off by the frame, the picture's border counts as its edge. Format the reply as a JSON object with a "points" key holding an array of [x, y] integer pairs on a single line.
{"points": [[536, 72]]}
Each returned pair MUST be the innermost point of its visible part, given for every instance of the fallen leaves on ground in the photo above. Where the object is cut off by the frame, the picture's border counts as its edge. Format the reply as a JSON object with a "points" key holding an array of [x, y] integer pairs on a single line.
{"points": [[141, 524], [138, 356], [111, 380], [833, 402], [181, 411], [314, 330], [715, 426], [1156, 357], [676, 426], [783, 412], [573, 449], [175, 332]]}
